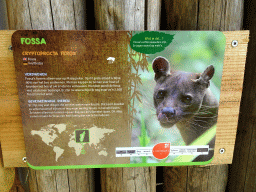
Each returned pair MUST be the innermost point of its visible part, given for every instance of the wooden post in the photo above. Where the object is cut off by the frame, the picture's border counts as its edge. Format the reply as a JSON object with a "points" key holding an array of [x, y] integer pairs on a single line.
{"points": [[36, 14], [128, 15], [3, 16], [128, 179], [222, 15], [242, 173], [200, 15]]}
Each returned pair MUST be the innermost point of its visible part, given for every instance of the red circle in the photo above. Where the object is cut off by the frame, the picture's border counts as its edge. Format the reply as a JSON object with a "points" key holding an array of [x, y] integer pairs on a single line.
{"points": [[161, 150]]}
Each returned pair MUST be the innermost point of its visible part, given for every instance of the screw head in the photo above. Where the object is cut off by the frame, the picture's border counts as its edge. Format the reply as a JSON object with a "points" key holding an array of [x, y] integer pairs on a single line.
{"points": [[222, 150], [234, 43], [24, 159], [10, 48]]}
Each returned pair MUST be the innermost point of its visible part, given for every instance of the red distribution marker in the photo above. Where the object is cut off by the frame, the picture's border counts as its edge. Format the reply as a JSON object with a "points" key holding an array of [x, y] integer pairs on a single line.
{"points": [[161, 150]]}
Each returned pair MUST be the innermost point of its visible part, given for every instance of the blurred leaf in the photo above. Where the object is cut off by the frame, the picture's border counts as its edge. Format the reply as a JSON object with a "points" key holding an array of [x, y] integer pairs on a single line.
{"points": [[144, 141], [143, 138], [204, 139], [177, 57]]}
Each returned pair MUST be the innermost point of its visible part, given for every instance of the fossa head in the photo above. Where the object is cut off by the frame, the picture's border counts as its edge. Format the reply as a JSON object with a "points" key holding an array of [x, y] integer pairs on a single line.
{"points": [[178, 95]]}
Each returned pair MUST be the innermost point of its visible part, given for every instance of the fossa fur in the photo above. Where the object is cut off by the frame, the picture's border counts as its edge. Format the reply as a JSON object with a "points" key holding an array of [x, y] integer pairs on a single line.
{"points": [[185, 100]]}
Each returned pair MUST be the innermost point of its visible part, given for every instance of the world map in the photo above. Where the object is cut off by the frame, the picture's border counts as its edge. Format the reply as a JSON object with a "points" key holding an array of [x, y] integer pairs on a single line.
{"points": [[54, 134]]}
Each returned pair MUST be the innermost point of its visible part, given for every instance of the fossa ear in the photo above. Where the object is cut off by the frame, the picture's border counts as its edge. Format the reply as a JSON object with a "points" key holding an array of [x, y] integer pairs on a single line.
{"points": [[206, 76], [161, 67]]}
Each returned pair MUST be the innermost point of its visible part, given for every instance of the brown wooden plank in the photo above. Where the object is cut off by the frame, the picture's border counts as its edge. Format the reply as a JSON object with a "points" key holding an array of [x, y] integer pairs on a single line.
{"points": [[10, 116], [229, 93]]}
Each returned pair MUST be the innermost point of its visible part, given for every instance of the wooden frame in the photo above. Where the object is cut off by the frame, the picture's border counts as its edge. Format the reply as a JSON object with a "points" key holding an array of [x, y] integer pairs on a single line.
{"points": [[11, 134]]}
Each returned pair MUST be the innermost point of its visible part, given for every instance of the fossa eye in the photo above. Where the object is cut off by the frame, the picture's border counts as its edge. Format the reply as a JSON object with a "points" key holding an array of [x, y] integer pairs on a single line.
{"points": [[161, 94], [186, 99]]}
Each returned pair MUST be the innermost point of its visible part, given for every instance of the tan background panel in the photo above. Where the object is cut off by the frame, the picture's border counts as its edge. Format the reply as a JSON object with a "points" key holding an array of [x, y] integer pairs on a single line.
{"points": [[11, 134]]}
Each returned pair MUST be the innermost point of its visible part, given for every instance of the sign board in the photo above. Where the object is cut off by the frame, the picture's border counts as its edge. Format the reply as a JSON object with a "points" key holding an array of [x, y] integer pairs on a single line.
{"points": [[118, 98]]}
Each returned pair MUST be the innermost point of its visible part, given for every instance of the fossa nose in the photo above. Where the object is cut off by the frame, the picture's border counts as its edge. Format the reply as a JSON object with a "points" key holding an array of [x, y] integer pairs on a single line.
{"points": [[169, 112]]}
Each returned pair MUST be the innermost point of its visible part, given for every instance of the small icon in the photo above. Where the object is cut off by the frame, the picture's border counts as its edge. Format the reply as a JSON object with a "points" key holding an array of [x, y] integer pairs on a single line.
{"points": [[25, 63], [111, 60], [82, 135]]}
